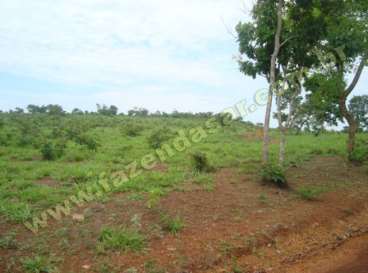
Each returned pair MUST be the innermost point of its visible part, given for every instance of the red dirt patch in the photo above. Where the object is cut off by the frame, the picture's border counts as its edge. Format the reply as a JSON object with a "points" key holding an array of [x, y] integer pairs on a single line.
{"points": [[47, 181]]}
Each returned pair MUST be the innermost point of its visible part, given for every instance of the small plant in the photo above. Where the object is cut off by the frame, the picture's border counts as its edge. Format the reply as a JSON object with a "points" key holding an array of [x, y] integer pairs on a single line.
{"points": [[158, 137], [152, 267], [310, 193], [200, 162], [171, 224], [38, 264], [124, 239], [154, 197], [274, 174], [88, 141]]}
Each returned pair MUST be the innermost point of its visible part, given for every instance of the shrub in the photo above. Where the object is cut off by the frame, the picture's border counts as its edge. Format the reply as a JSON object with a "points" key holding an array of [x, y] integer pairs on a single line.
{"points": [[75, 152], [121, 239], [172, 224], [200, 162], [360, 153], [132, 129], [52, 150], [158, 137], [274, 174], [88, 141]]}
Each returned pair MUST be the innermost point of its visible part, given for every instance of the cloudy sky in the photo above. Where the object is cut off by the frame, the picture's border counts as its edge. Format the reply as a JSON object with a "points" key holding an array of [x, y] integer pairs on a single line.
{"points": [[157, 54]]}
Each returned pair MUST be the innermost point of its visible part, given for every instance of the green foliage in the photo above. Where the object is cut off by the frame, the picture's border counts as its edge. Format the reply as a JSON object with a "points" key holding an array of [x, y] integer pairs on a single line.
{"points": [[124, 239], [39, 264], [171, 224], [52, 150], [358, 106], [274, 174], [132, 129], [159, 137], [200, 162], [310, 193], [360, 153]]}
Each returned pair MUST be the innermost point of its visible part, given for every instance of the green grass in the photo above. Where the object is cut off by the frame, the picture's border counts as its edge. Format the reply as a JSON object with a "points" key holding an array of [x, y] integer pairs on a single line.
{"points": [[123, 239], [121, 140], [310, 193]]}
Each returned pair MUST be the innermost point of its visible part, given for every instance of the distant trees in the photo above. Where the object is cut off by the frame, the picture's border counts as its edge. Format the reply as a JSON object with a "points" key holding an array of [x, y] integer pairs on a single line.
{"points": [[139, 112], [51, 109], [107, 111]]}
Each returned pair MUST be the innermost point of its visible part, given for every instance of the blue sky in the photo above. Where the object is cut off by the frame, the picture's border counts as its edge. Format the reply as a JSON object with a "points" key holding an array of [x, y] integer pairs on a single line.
{"points": [[162, 54]]}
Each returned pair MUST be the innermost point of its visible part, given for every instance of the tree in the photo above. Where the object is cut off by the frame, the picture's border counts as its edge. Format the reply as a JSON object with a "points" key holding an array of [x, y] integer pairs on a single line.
{"points": [[77, 111], [358, 106], [345, 42], [107, 111], [259, 41], [54, 109]]}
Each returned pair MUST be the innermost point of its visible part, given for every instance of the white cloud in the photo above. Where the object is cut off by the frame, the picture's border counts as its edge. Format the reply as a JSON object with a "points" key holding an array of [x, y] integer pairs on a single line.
{"points": [[118, 42]]}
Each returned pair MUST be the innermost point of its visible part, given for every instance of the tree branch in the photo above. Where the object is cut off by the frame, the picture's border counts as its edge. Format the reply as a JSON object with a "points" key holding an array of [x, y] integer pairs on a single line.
{"points": [[357, 75]]}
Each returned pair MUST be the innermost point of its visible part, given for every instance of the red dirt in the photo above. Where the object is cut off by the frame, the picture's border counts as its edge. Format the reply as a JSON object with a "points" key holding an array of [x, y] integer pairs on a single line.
{"points": [[260, 228]]}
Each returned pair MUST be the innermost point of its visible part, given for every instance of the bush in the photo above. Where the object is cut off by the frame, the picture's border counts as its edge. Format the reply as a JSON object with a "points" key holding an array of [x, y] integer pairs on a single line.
{"points": [[75, 152], [132, 129], [360, 153], [51, 150], [88, 141], [200, 162], [158, 137], [274, 174], [121, 239]]}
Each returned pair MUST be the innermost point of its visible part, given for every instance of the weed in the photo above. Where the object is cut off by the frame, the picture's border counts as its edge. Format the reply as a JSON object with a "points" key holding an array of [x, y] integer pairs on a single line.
{"points": [[124, 239], [154, 197], [8, 241], [310, 193], [52, 150], [39, 264], [171, 224], [152, 267], [205, 180]]}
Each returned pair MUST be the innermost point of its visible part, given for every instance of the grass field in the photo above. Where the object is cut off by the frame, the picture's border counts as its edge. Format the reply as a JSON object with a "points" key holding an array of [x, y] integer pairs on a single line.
{"points": [[44, 160]]}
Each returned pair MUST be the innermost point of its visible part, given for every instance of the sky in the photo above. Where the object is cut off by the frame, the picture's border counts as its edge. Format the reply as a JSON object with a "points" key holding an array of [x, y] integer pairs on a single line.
{"points": [[158, 54]]}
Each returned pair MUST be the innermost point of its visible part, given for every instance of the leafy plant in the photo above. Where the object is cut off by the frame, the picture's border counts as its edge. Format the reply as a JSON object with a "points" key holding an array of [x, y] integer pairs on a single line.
{"points": [[200, 162], [171, 224], [52, 150], [274, 174], [360, 153], [38, 264]]}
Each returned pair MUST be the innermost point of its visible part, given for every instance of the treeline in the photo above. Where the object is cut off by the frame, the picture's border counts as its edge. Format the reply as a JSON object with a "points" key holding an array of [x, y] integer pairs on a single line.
{"points": [[112, 110]]}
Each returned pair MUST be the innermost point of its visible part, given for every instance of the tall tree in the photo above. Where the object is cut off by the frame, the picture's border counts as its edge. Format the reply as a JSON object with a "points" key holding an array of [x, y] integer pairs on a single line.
{"points": [[260, 43], [345, 26]]}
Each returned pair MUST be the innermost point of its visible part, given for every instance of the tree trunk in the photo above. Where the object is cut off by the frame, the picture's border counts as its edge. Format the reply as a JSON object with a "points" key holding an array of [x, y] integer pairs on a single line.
{"points": [[352, 124], [349, 117], [282, 147], [266, 127]]}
